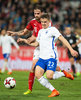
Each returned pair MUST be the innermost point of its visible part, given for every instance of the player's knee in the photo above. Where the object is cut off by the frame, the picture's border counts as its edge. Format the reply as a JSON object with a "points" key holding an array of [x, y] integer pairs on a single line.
{"points": [[32, 69], [37, 75], [49, 76], [58, 68], [6, 60]]}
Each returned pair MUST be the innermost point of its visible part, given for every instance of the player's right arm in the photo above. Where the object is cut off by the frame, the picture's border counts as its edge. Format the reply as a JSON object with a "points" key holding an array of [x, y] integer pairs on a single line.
{"points": [[35, 43], [19, 33], [23, 32]]}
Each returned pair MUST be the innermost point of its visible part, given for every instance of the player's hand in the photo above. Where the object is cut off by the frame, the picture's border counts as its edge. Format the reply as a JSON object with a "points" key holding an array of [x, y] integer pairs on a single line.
{"points": [[31, 39], [11, 33], [74, 53], [20, 40]]}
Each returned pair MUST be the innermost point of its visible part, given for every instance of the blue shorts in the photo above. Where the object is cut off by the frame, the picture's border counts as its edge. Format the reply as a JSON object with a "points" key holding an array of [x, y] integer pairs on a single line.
{"points": [[6, 55], [49, 64]]}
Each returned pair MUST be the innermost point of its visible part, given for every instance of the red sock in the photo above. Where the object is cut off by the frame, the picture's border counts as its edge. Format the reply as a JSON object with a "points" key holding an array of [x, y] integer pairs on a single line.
{"points": [[31, 80]]}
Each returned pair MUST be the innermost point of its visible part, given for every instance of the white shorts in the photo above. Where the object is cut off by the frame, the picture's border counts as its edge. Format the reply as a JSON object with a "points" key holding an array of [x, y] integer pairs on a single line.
{"points": [[36, 53]]}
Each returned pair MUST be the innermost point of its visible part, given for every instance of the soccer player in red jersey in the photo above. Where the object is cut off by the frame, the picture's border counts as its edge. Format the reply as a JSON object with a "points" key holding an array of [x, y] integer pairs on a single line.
{"points": [[34, 25]]}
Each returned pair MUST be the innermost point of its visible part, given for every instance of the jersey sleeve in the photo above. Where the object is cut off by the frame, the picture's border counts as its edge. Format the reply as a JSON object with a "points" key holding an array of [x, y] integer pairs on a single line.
{"points": [[56, 32], [29, 26], [14, 42]]}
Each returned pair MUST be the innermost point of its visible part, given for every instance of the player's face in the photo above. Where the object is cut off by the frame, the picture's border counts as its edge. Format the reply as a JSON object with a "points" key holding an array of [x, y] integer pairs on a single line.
{"points": [[3, 32], [37, 14], [67, 30], [45, 23]]}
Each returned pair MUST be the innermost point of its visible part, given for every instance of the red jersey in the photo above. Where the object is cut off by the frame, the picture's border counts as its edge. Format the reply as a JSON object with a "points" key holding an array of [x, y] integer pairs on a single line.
{"points": [[34, 26]]}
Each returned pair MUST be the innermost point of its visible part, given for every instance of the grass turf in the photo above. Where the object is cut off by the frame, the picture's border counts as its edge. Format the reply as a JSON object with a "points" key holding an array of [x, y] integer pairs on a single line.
{"points": [[69, 89]]}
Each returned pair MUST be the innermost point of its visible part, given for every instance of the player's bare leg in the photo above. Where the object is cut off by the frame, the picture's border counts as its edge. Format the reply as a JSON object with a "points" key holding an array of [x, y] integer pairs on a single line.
{"points": [[4, 65], [73, 66], [43, 81], [9, 69], [66, 74], [31, 78]]}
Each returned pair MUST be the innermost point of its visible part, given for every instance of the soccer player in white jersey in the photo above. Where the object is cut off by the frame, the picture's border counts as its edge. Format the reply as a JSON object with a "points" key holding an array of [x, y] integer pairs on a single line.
{"points": [[5, 42], [46, 39]]}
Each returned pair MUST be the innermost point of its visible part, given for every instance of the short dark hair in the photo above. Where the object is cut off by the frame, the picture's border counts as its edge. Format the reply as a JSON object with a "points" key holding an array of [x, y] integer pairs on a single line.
{"points": [[45, 15], [38, 7]]}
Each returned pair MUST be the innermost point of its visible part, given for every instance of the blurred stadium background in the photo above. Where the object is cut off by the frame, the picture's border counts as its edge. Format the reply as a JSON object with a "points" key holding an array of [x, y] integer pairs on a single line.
{"points": [[15, 14]]}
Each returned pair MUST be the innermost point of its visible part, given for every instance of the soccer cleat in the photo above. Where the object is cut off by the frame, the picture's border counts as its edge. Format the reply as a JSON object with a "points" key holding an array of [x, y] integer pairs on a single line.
{"points": [[54, 93], [68, 75], [27, 92], [9, 73]]}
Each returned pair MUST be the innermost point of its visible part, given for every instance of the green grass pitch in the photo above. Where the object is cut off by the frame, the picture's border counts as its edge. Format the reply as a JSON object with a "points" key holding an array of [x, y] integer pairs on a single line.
{"points": [[69, 89]]}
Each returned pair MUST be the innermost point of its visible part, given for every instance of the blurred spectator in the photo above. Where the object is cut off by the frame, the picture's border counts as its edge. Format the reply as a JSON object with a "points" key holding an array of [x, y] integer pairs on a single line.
{"points": [[15, 14]]}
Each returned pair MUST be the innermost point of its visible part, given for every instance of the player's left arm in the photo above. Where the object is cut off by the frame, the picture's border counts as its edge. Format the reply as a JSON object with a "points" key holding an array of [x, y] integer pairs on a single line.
{"points": [[34, 44], [32, 39], [11, 33], [14, 43], [66, 43]]}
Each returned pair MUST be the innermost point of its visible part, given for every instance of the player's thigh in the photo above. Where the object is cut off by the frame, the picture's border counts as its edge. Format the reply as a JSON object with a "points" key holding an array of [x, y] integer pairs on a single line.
{"points": [[39, 72], [71, 60], [33, 65], [49, 74], [35, 58], [80, 61], [6, 60], [58, 68], [51, 68]]}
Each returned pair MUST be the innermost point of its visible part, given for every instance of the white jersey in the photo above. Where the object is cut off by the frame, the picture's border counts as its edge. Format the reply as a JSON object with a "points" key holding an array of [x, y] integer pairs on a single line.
{"points": [[5, 42], [37, 49], [47, 39]]}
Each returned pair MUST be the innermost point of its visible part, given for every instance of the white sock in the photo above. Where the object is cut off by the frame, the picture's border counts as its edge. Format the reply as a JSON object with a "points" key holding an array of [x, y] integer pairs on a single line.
{"points": [[4, 66], [57, 75], [78, 67], [9, 68], [46, 83]]}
